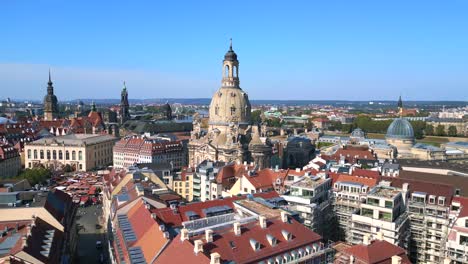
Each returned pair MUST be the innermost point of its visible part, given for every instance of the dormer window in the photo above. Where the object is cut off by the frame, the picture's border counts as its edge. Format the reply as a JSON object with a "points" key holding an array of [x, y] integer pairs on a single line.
{"points": [[441, 200], [431, 199]]}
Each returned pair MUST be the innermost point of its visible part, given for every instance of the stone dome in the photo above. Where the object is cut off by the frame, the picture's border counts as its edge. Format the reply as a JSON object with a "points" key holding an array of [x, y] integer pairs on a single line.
{"points": [[400, 128], [230, 105]]}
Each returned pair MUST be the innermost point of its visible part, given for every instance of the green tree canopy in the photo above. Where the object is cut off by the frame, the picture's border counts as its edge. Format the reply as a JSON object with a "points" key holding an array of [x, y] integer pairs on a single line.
{"points": [[440, 130], [452, 131], [36, 175], [256, 116], [429, 130]]}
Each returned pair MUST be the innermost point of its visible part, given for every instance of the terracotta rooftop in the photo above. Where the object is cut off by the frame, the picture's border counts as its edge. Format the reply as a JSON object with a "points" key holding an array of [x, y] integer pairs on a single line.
{"points": [[377, 252]]}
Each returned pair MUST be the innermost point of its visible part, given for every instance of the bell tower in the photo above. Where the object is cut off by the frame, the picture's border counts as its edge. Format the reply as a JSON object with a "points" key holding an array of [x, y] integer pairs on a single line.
{"points": [[230, 69], [50, 102], [124, 106]]}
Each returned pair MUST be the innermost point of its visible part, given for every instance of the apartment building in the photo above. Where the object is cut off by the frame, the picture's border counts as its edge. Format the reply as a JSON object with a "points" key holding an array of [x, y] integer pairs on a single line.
{"points": [[457, 240], [141, 149], [238, 230], [349, 192], [309, 197], [10, 161], [383, 211]]}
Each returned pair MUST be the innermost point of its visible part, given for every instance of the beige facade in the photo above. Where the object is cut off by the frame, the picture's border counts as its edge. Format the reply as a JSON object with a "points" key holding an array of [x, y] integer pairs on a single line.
{"points": [[82, 151]]}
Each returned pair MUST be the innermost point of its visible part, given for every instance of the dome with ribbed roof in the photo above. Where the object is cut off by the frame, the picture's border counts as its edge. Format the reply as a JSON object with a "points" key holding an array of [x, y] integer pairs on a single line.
{"points": [[400, 128]]}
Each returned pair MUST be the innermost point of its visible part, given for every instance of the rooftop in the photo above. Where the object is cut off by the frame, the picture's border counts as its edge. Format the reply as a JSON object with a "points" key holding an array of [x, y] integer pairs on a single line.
{"points": [[74, 139], [383, 191]]}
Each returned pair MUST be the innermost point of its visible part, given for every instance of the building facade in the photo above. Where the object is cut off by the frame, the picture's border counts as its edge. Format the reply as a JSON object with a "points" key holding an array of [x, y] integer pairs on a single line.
{"points": [[141, 150], [10, 161], [82, 152]]}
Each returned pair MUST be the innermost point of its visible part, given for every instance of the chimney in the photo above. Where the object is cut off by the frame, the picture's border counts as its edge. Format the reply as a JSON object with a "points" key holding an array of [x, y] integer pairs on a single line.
{"points": [[298, 169], [351, 259], [198, 246], [284, 217], [380, 235], [366, 240], [215, 258], [184, 234], [237, 229], [153, 215], [245, 163], [405, 186], [209, 235], [262, 220], [396, 259]]}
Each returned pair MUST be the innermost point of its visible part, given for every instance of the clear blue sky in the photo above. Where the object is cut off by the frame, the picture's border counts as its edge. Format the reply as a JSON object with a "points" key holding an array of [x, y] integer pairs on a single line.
{"points": [[355, 50]]}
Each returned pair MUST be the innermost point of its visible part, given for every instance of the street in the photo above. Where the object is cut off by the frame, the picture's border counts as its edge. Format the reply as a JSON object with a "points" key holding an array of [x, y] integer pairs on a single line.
{"points": [[89, 234]]}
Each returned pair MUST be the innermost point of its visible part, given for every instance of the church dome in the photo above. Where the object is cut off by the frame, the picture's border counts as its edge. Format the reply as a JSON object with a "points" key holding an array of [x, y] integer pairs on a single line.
{"points": [[358, 133], [230, 105], [400, 128]]}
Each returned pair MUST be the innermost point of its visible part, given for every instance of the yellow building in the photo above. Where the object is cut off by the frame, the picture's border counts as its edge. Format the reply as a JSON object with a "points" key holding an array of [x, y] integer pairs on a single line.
{"points": [[82, 151], [183, 185]]}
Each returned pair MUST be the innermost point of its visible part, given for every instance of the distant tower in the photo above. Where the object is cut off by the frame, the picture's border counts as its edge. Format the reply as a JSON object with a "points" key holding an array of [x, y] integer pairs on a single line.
{"points": [[124, 114], [93, 107], [400, 106], [50, 102]]}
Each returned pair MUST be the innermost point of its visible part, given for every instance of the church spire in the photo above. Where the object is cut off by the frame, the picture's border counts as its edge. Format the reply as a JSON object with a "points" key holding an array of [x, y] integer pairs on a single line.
{"points": [[93, 107], [230, 44], [50, 88], [400, 107]]}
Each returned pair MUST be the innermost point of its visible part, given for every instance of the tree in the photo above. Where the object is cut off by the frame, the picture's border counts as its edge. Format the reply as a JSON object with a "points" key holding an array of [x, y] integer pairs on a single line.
{"points": [[418, 128], [67, 168], [452, 131], [440, 130], [429, 130], [36, 175], [256, 117]]}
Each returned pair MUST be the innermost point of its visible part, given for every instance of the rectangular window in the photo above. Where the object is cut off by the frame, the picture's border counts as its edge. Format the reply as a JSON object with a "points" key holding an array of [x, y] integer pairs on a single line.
{"points": [[372, 201], [385, 216], [388, 204], [367, 212]]}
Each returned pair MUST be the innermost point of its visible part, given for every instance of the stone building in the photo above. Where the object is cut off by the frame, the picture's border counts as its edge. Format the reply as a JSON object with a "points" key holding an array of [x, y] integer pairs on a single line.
{"points": [[51, 110], [10, 162], [82, 151], [231, 136], [298, 151]]}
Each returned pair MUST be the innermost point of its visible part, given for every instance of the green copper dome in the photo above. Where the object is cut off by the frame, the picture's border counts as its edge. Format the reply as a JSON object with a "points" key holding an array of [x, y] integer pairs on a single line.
{"points": [[400, 128]]}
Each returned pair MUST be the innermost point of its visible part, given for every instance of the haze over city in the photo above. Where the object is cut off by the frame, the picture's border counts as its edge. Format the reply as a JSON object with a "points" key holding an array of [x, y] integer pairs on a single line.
{"points": [[341, 50]]}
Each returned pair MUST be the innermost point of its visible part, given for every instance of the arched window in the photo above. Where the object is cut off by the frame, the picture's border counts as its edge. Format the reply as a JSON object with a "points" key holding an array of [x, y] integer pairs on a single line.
{"points": [[35, 154], [29, 154], [54, 154], [48, 154], [67, 155], [60, 155], [80, 155], [41, 154], [236, 73], [73, 155], [226, 71]]}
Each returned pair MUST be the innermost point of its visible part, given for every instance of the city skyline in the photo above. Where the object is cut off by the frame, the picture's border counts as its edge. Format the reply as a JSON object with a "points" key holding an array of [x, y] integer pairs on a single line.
{"points": [[363, 51]]}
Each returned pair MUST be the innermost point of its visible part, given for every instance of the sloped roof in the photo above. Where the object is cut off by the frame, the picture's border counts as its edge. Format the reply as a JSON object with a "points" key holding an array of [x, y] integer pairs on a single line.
{"points": [[377, 252], [237, 249]]}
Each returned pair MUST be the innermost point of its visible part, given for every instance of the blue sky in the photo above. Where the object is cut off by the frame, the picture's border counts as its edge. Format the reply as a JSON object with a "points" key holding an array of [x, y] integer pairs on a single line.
{"points": [[354, 50]]}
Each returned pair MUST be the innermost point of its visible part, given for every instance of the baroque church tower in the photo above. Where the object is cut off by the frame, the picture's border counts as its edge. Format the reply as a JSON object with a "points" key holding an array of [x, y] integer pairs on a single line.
{"points": [[124, 114], [50, 102], [231, 135]]}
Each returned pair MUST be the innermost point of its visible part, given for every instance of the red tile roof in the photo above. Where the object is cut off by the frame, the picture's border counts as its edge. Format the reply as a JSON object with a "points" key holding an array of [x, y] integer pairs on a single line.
{"points": [[443, 190], [242, 251], [463, 206], [377, 252]]}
